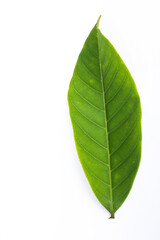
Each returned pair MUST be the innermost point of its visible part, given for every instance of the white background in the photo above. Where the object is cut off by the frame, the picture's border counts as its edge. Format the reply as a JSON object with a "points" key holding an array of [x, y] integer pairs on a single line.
{"points": [[43, 191]]}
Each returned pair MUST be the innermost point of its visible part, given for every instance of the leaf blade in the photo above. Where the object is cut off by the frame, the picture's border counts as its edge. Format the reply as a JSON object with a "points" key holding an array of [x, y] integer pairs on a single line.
{"points": [[106, 118]]}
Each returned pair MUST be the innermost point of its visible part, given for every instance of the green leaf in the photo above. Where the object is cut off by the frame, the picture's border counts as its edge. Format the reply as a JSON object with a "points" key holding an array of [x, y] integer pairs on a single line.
{"points": [[106, 117]]}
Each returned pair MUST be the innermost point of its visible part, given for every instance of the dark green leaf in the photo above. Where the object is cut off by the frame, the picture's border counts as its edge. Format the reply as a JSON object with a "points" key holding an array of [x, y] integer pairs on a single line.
{"points": [[106, 117]]}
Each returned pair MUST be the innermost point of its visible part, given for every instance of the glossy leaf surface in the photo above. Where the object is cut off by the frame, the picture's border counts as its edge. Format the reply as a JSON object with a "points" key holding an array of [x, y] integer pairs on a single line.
{"points": [[106, 118]]}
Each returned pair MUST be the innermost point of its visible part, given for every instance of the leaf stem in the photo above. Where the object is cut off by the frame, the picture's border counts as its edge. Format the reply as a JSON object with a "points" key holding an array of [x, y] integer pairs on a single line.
{"points": [[112, 216]]}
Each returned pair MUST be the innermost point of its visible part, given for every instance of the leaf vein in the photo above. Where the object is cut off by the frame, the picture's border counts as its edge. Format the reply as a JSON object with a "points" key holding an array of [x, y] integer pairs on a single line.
{"points": [[85, 115], [125, 77], [128, 156], [108, 200], [112, 80], [87, 100], [89, 50], [97, 91], [108, 67], [124, 121], [90, 172], [97, 159], [88, 134], [89, 71], [106, 128], [119, 108], [125, 138], [119, 184]]}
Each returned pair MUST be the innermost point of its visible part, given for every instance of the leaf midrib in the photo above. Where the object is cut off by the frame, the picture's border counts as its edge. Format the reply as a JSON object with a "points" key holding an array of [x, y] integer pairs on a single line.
{"points": [[106, 125]]}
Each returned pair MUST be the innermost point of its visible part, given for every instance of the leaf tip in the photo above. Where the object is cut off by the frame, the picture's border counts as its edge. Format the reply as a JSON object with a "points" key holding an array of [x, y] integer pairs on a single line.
{"points": [[97, 24]]}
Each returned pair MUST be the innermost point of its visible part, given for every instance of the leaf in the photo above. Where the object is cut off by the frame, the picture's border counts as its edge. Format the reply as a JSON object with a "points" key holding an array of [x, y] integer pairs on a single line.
{"points": [[106, 117]]}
